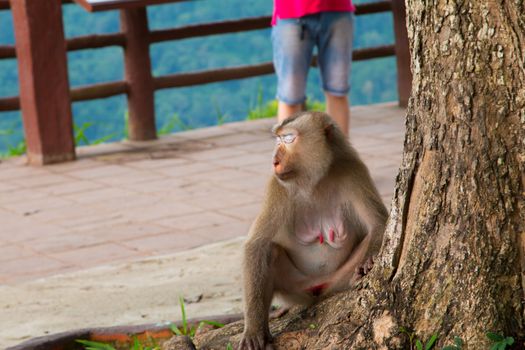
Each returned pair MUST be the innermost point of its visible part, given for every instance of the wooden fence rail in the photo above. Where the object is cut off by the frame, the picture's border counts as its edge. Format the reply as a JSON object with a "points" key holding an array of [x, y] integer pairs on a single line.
{"points": [[103, 90], [139, 84]]}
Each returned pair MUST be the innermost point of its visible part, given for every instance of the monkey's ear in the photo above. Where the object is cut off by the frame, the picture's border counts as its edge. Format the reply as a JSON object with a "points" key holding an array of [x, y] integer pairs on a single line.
{"points": [[329, 130]]}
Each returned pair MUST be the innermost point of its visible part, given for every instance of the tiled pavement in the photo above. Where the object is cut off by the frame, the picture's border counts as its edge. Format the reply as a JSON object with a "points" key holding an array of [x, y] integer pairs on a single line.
{"points": [[125, 201]]}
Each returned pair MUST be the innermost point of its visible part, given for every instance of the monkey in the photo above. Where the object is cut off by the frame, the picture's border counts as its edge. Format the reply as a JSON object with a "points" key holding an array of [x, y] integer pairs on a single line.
{"points": [[320, 225]]}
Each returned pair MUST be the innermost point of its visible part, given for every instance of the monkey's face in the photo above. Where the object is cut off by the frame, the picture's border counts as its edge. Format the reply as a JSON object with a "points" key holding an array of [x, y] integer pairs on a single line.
{"points": [[286, 141], [301, 155]]}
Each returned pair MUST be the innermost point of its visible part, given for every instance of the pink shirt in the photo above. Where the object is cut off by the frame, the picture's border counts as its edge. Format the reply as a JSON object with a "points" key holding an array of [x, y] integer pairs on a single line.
{"points": [[283, 9]]}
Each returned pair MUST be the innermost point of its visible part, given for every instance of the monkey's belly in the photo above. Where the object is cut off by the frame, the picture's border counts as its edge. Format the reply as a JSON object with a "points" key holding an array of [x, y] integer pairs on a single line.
{"points": [[320, 259]]}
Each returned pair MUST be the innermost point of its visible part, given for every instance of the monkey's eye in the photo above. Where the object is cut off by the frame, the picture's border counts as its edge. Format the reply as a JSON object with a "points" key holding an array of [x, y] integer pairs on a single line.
{"points": [[288, 138]]}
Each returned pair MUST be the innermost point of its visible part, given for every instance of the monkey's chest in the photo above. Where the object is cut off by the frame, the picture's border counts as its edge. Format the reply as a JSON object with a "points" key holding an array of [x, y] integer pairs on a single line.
{"points": [[321, 242], [313, 227]]}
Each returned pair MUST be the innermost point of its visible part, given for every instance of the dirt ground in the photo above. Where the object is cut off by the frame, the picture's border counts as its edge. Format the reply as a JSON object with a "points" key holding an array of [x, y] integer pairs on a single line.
{"points": [[145, 291]]}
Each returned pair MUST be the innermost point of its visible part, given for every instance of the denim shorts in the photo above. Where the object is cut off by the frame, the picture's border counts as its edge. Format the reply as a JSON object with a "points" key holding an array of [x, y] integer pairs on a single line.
{"points": [[293, 42]]}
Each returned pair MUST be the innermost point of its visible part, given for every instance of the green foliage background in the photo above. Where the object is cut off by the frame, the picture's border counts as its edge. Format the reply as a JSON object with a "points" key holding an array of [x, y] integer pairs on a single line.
{"points": [[372, 81]]}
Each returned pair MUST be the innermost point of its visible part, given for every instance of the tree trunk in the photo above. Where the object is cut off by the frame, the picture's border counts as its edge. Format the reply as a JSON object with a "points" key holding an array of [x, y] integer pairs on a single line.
{"points": [[453, 257]]}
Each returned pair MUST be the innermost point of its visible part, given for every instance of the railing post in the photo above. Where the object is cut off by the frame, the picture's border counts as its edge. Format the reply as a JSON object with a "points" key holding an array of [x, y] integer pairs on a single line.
{"points": [[44, 84], [134, 25], [404, 75]]}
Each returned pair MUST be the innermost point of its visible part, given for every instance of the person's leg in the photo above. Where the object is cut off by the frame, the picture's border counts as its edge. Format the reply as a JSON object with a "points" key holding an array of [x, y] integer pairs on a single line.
{"points": [[335, 58], [292, 54], [285, 110], [338, 108]]}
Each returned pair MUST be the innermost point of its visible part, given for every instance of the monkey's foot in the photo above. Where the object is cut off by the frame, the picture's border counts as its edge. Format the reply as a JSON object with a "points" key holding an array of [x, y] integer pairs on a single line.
{"points": [[255, 342], [279, 311]]}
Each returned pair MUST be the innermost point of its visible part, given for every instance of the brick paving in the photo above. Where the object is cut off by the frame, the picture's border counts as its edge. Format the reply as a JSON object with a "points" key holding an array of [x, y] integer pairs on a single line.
{"points": [[126, 201]]}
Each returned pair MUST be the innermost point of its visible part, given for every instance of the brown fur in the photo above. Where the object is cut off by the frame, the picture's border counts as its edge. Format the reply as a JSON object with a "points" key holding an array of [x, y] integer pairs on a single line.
{"points": [[320, 182]]}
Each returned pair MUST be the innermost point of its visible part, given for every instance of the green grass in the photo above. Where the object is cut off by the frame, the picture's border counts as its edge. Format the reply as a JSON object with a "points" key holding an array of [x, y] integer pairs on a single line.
{"points": [[173, 122], [499, 342], [12, 150], [15, 151], [261, 109], [185, 328], [458, 344], [417, 344], [150, 344], [269, 109], [81, 138], [94, 345]]}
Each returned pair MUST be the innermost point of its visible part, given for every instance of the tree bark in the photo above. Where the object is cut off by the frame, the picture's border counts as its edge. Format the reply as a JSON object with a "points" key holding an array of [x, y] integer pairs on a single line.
{"points": [[452, 261]]}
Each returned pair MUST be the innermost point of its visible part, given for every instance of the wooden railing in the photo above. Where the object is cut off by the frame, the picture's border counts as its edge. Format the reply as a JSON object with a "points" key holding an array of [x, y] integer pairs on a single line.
{"points": [[48, 146]]}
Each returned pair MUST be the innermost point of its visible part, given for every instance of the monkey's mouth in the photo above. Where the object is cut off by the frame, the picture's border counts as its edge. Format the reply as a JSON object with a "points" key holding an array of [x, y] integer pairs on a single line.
{"points": [[286, 175]]}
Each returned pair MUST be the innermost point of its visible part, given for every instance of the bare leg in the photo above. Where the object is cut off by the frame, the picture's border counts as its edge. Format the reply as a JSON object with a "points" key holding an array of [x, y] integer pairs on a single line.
{"points": [[338, 107], [285, 110]]}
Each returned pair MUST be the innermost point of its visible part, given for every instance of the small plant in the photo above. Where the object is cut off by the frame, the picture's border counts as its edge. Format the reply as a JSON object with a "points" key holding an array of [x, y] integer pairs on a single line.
{"points": [[185, 328], [499, 342], [314, 105], [220, 115], [151, 344], [175, 121], [268, 110], [15, 151], [126, 125], [428, 345], [415, 343], [458, 344], [137, 345], [262, 110], [229, 346], [12, 151], [80, 135], [94, 345]]}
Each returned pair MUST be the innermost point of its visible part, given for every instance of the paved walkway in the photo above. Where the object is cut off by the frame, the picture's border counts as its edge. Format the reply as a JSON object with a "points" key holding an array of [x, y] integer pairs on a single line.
{"points": [[126, 201]]}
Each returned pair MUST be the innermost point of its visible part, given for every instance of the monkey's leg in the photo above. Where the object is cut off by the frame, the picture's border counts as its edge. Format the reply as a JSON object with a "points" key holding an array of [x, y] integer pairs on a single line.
{"points": [[259, 272], [350, 271], [290, 283]]}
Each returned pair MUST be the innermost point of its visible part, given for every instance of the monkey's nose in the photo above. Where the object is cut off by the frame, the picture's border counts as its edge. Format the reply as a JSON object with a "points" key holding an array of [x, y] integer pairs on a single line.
{"points": [[276, 162]]}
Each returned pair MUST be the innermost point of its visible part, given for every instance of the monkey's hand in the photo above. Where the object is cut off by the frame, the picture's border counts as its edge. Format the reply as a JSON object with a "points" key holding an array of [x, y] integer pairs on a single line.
{"points": [[366, 267], [255, 341], [362, 270]]}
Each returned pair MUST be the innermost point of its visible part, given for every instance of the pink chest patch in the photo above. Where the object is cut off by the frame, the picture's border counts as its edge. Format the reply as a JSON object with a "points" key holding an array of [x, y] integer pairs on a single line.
{"points": [[331, 233], [320, 226], [331, 236]]}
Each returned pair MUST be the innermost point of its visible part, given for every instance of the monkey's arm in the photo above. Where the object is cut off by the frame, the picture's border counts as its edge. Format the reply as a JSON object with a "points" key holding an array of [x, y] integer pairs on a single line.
{"points": [[371, 212], [365, 205], [260, 253], [258, 292]]}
